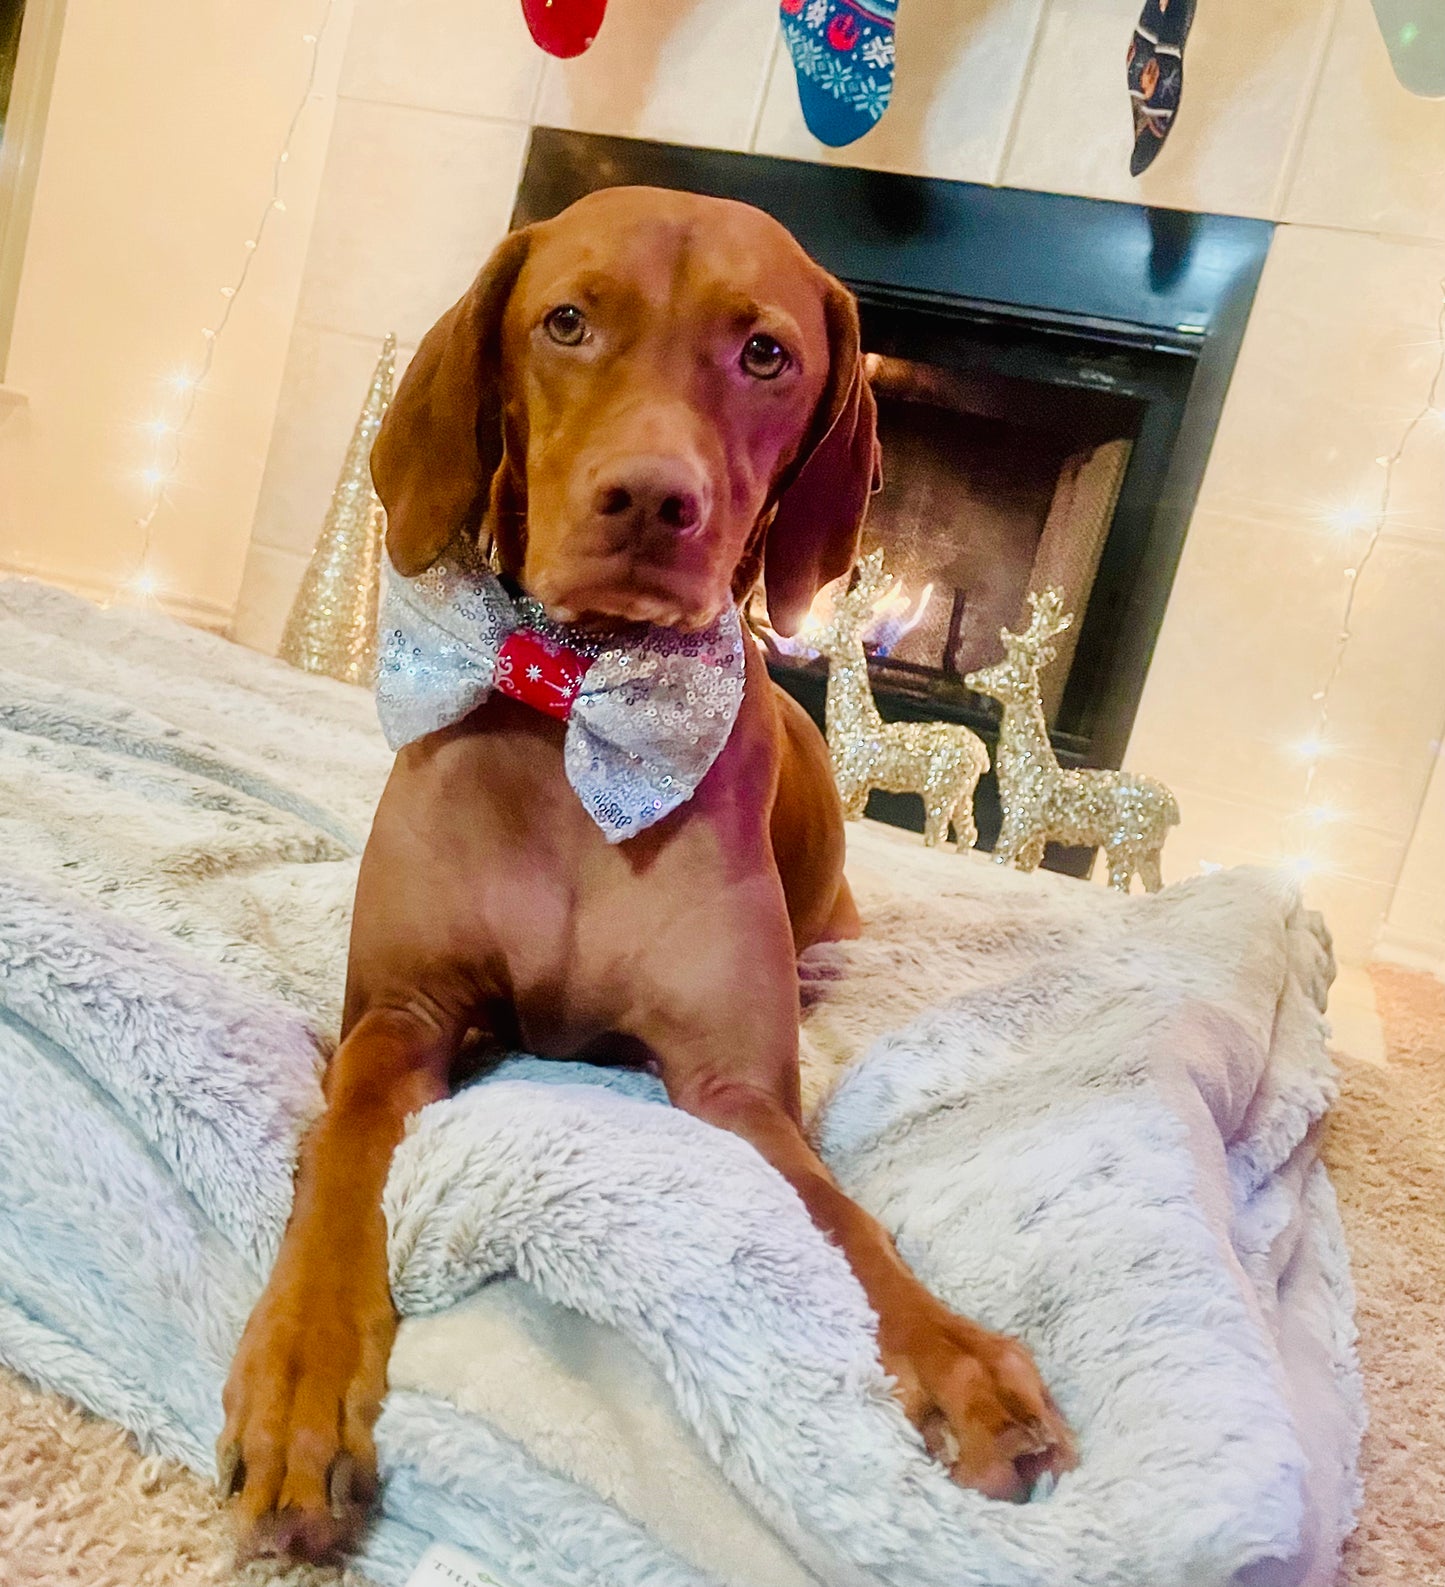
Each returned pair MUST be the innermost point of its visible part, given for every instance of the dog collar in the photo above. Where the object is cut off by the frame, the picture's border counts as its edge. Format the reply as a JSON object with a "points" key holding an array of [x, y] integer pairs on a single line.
{"points": [[646, 715]]}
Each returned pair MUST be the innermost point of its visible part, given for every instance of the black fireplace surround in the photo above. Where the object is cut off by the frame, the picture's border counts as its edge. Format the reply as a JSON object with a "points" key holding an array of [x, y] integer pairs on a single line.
{"points": [[1130, 316]]}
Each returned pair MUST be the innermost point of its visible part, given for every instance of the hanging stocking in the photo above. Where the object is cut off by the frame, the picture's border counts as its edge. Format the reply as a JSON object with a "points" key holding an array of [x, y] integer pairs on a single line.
{"points": [[1156, 75], [564, 27], [843, 55]]}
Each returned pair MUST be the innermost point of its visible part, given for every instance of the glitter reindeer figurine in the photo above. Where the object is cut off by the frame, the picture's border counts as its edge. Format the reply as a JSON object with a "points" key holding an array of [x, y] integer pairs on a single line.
{"points": [[937, 760], [1127, 815]]}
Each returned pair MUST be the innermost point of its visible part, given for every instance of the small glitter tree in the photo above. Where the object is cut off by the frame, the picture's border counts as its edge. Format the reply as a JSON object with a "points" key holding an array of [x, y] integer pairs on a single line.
{"points": [[332, 625]]}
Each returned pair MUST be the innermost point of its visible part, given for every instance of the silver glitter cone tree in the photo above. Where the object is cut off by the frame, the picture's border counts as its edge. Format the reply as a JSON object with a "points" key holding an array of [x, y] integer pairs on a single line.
{"points": [[332, 625]]}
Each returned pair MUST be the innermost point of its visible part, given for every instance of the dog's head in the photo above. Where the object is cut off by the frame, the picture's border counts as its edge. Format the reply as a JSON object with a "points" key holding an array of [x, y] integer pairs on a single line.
{"points": [[640, 403]]}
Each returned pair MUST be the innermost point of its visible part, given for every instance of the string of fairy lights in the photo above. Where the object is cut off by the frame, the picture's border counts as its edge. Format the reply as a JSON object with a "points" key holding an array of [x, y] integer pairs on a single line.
{"points": [[1318, 744], [170, 430]]}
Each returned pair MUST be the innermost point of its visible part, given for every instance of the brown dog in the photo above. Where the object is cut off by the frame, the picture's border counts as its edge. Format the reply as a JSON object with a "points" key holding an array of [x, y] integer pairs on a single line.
{"points": [[641, 404]]}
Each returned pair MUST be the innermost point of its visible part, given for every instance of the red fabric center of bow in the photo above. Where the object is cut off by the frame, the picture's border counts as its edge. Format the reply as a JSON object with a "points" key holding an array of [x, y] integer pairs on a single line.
{"points": [[539, 672]]}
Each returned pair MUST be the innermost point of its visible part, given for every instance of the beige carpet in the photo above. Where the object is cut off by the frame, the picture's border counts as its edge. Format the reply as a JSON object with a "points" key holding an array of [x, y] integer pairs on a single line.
{"points": [[78, 1504], [1386, 1153]]}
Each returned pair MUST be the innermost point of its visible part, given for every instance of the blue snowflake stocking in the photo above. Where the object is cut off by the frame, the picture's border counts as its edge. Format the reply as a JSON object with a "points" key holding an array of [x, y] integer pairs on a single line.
{"points": [[843, 55]]}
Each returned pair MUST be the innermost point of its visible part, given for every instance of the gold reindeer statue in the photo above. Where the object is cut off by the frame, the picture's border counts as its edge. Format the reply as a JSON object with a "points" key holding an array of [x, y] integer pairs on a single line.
{"points": [[1127, 815], [940, 761]]}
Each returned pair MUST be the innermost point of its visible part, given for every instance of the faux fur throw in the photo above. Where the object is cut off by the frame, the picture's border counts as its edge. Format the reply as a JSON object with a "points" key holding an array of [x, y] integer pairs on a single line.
{"points": [[628, 1358]]}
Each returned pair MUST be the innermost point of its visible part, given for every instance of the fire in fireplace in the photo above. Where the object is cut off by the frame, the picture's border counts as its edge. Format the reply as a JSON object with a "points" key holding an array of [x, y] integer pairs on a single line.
{"points": [[991, 490]]}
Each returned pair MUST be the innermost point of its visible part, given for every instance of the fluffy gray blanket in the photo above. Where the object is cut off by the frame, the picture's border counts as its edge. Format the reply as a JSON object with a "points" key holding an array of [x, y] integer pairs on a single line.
{"points": [[628, 1357]]}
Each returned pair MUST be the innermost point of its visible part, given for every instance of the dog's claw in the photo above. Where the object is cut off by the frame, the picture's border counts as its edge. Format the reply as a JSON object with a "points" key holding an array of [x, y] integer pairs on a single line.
{"points": [[977, 1399], [1038, 1436], [230, 1471], [350, 1486], [339, 1485]]}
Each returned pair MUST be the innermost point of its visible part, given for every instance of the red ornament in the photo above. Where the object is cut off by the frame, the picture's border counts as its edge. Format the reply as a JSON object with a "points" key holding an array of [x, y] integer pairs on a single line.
{"points": [[564, 28], [791, 7], [540, 673], [843, 31]]}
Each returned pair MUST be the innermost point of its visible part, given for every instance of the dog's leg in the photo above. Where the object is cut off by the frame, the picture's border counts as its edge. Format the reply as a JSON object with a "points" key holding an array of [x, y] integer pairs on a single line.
{"points": [[732, 1060], [308, 1378]]}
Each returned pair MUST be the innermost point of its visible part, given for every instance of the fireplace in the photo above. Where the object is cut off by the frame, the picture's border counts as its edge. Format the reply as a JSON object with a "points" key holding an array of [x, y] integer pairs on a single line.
{"points": [[1049, 372], [995, 486]]}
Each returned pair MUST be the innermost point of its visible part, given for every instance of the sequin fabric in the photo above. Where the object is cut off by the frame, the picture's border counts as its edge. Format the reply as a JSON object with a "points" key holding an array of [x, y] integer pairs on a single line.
{"points": [[1126, 814], [940, 761], [654, 711]]}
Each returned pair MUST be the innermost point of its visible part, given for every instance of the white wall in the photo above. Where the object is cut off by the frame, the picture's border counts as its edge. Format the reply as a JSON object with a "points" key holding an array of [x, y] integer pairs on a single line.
{"points": [[1414, 931], [1291, 112], [164, 122]]}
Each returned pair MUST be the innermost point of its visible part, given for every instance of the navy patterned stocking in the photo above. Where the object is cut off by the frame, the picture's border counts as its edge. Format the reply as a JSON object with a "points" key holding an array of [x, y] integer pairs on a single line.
{"points": [[1156, 75]]}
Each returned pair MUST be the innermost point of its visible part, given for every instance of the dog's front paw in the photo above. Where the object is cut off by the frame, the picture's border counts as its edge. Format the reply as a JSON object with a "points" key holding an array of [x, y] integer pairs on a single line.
{"points": [[301, 1399], [978, 1400]]}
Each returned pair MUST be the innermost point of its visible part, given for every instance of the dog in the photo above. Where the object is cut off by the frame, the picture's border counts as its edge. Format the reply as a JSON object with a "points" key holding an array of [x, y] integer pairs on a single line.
{"points": [[639, 410]]}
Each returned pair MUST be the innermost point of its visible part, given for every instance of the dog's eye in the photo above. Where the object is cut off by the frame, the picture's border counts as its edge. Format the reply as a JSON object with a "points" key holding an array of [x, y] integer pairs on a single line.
{"points": [[567, 325], [763, 357]]}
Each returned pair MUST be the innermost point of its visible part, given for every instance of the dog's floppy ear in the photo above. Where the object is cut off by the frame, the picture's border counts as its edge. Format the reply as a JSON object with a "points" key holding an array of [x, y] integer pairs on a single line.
{"points": [[441, 440], [813, 537]]}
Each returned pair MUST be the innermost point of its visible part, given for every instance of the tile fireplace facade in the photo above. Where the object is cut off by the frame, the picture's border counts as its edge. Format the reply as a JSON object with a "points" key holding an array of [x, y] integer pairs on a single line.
{"points": [[1292, 115]]}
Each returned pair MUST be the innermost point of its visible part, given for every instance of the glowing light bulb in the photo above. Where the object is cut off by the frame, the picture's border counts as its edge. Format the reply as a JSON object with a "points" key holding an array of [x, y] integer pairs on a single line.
{"points": [[160, 428], [181, 381], [154, 476], [278, 203], [1302, 866], [1347, 519], [144, 583], [1311, 747], [1321, 815]]}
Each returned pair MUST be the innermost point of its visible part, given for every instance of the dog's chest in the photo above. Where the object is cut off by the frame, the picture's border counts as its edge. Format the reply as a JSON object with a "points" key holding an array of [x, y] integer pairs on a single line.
{"points": [[565, 932]]}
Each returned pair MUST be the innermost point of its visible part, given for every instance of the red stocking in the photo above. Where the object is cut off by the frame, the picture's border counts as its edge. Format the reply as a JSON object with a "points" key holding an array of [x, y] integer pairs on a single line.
{"points": [[564, 27]]}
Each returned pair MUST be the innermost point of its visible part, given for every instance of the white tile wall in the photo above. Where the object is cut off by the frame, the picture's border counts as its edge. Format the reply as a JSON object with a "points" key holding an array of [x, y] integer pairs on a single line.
{"points": [[1373, 156], [327, 377], [1339, 353], [683, 71], [472, 57], [271, 580], [412, 202], [1338, 357], [1290, 112], [1415, 928]]}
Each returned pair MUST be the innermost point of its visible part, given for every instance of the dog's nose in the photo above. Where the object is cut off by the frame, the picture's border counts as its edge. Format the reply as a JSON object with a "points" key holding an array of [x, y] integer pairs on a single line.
{"points": [[664, 492]]}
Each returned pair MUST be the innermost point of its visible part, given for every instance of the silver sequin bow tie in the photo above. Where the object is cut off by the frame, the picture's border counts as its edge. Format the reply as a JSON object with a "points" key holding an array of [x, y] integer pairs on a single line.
{"points": [[646, 717]]}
